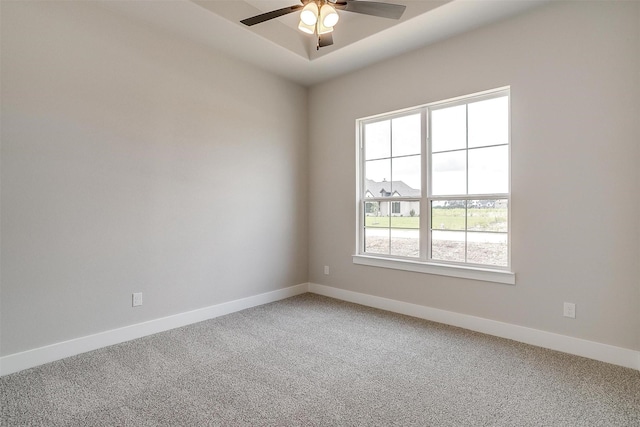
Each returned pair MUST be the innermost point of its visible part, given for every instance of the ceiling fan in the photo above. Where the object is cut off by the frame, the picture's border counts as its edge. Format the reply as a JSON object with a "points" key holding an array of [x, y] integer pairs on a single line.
{"points": [[319, 16]]}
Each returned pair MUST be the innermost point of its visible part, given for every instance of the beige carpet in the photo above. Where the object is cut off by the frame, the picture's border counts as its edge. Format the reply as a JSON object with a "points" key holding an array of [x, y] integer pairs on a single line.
{"points": [[311, 360]]}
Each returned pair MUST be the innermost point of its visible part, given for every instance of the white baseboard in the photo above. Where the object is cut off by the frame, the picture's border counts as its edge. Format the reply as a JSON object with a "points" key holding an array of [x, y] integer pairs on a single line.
{"points": [[50, 353], [566, 344], [590, 349]]}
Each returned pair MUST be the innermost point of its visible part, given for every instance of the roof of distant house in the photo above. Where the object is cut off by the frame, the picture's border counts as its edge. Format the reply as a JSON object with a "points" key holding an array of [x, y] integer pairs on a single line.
{"points": [[390, 188]]}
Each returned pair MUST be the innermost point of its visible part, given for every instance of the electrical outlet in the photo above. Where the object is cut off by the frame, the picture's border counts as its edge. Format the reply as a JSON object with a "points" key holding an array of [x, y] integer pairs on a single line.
{"points": [[570, 310], [137, 299], [326, 270]]}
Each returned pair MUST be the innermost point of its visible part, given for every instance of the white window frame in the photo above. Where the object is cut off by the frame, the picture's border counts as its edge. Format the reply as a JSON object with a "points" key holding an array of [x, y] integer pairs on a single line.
{"points": [[424, 264]]}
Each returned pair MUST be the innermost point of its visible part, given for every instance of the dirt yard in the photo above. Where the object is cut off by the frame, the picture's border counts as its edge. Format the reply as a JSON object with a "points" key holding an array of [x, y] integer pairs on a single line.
{"points": [[478, 253]]}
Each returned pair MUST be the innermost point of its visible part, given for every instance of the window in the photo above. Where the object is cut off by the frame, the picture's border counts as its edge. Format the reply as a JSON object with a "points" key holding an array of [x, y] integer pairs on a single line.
{"points": [[434, 184], [395, 207], [392, 169]]}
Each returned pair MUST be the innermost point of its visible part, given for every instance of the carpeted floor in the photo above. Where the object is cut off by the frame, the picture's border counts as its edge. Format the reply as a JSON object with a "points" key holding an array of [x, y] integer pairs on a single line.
{"points": [[311, 360]]}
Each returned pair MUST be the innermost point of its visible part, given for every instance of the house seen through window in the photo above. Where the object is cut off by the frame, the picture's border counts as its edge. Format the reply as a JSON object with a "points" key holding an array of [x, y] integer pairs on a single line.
{"points": [[434, 182]]}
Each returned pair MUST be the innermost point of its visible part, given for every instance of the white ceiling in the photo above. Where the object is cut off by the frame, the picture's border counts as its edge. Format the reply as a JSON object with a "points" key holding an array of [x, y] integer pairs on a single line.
{"points": [[277, 45], [283, 31]]}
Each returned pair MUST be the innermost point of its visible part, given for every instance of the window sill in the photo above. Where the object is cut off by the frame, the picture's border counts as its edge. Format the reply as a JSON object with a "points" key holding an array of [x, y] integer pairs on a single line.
{"points": [[484, 274]]}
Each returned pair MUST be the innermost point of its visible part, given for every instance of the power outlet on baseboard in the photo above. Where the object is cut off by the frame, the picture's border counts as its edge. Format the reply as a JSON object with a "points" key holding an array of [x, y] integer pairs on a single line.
{"points": [[137, 299], [569, 310]]}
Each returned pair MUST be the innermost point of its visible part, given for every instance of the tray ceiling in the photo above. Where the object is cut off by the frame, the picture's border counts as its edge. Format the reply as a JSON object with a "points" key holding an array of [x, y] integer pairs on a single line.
{"points": [[278, 46]]}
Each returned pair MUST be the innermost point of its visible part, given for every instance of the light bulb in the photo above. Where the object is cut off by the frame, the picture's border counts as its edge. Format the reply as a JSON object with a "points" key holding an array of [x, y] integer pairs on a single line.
{"points": [[309, 14], [328, 15]]}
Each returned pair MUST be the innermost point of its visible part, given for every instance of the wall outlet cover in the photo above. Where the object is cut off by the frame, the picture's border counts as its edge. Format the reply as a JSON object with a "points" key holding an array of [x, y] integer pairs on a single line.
{"points": [[569, 310], [137, 299]]}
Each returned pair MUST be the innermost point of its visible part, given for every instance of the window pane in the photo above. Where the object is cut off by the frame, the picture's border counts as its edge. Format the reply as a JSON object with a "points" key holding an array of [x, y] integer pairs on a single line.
{"points": [[376, 215], [448, 215], [406, 135], [489, 170], [408, 215], [447, 245], [405, 242], [372, 213], [376, 240], [377, 140], [487, 248], [406, 176], [379, 173], [449, 175], [488, 215], [449, 128], [489, 122]]}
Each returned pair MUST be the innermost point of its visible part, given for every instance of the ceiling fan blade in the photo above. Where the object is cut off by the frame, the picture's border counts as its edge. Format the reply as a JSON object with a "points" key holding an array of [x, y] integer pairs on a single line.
{"points": [[383, 10], [325, 40], [270, 15]]}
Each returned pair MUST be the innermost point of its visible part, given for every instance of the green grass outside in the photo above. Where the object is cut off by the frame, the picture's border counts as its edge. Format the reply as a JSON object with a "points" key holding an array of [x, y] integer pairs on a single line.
{"points": [[448, 219]]}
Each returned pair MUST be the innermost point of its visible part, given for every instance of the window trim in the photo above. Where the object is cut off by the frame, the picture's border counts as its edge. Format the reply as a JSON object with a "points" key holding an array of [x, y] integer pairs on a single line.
{"points": [[424, 264], [450, 270]]}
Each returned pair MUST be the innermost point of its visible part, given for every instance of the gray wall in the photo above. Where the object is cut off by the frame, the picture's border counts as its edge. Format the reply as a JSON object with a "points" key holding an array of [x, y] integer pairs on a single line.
{"points": [[136, 162], [574, 72]]}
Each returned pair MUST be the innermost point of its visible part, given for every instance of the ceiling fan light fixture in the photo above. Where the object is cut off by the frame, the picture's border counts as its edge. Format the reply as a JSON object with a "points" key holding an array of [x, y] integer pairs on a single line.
{"points": [[309, 14], [320, 16], [323, 29], [309, 29], [328, 16]]}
